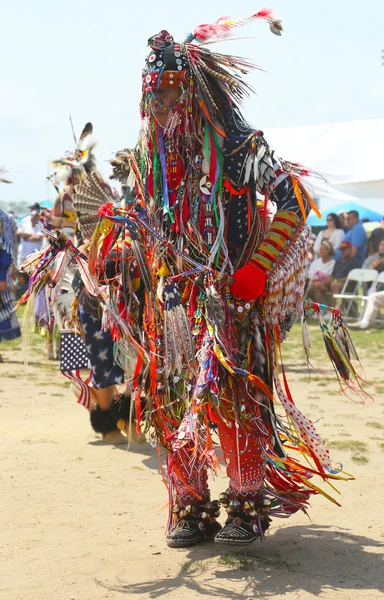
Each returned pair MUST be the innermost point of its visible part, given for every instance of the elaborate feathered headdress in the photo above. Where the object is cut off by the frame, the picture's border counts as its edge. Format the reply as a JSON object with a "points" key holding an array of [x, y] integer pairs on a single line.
{"points": [[74, 165], [216, 77]]}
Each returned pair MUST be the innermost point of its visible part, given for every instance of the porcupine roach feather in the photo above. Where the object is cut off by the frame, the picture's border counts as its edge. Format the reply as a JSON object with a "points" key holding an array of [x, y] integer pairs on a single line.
{"points": [[211, 71], [204, 85], [225, 66]]}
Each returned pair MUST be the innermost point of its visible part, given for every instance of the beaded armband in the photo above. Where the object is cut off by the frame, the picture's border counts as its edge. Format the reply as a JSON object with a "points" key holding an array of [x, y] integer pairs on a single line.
{"points": [[270, 253]]}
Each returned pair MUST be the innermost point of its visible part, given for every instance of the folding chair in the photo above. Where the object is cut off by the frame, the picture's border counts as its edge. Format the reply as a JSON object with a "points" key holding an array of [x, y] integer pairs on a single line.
{"points": [[372, 290], [350, 292], [375, 283]]}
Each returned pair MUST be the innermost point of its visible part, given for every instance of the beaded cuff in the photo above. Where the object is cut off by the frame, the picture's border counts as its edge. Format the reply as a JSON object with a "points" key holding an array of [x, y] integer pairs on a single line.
{"points": [[271, 251]]}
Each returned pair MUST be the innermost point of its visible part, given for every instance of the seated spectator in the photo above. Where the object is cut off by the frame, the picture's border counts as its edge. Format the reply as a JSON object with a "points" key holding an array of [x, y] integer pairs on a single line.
{"points": [[320, 271], [343, 220], [376, 261], [356, 236], [310, 251], [374, 303], [334, 233], [377, 236], [342, 268]]}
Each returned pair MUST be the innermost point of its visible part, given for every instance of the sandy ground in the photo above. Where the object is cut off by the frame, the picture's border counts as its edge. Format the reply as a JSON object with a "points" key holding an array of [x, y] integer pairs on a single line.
{"points": [[83, 521]]}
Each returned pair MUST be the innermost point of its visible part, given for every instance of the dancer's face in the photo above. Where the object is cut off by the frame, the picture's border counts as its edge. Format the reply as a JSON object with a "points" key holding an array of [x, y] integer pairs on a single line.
{"points": [[163, 101]]}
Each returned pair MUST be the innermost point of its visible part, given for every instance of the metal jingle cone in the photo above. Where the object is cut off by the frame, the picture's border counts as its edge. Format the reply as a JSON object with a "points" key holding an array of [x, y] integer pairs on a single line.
{"points": [[266, 505], [234, 506], [224, 499], [176, 509]]}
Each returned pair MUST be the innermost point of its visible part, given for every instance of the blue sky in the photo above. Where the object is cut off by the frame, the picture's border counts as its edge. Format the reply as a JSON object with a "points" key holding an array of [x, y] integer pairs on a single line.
{"points": [[84, 58]]}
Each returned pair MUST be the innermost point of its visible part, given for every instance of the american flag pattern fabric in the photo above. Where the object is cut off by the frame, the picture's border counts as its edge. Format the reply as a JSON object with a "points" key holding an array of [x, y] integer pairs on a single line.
{"points": [[73, 359], [99, 347]]}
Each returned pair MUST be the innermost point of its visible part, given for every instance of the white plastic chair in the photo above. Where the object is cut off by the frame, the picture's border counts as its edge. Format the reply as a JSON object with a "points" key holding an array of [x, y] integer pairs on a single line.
{"points": [[374, 285], [358, 277]]}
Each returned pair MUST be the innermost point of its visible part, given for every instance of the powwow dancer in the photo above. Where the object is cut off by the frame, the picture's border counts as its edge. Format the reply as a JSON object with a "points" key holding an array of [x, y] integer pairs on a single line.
{"points": [[9, 327], [198, 289], [218, 288], [55, 275]]}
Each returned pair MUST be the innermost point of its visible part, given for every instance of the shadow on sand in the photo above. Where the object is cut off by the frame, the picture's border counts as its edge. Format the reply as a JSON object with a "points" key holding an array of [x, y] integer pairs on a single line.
{"points": [[307, 558]]}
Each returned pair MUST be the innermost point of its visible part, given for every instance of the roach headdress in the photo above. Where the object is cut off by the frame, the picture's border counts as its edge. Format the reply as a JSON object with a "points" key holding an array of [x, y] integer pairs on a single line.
{"points": [[215, 78], [74, 165]]}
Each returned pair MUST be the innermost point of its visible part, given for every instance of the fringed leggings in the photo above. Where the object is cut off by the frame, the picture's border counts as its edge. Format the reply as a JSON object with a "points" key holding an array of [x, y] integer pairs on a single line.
{"points": [[244, 463]]}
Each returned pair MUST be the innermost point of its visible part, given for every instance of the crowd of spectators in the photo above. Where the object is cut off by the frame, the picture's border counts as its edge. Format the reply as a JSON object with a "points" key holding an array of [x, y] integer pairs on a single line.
{"points": [[338, 249]]}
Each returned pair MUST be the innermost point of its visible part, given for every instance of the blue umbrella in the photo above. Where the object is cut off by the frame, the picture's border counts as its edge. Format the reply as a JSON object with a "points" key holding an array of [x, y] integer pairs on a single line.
{"points": [[364, 213]]}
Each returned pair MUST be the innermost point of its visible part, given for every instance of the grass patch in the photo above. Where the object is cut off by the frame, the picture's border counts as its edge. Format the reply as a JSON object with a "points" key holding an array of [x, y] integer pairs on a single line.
{"points": [[375, 425], [381, 446], [322, 379], [353, 445], [57, 394], [237, 562], [360, 459], [195, 566]]}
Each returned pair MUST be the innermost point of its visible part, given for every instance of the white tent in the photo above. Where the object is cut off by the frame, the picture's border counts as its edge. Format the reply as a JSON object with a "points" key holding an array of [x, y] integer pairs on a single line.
{"points": [[347, 157]]}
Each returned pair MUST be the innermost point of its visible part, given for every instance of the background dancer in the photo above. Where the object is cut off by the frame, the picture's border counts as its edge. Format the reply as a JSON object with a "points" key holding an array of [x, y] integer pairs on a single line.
{"points": [[9, 327]]}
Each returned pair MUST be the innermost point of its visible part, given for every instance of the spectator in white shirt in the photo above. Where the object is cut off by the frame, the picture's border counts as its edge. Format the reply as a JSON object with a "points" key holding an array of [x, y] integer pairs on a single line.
{"points": [[334, 233], [320, 272], [30, 234]]}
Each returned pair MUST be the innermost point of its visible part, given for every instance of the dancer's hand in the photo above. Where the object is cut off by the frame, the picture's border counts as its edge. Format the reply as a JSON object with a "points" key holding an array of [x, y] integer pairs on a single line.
{"points": [[249, 282], [3, 286]]}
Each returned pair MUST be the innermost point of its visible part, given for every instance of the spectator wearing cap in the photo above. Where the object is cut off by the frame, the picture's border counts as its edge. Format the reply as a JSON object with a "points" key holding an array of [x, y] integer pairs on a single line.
{"points": [[30, 234], [342, 267], [320, 273], [356, 236], [376, 236]]}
